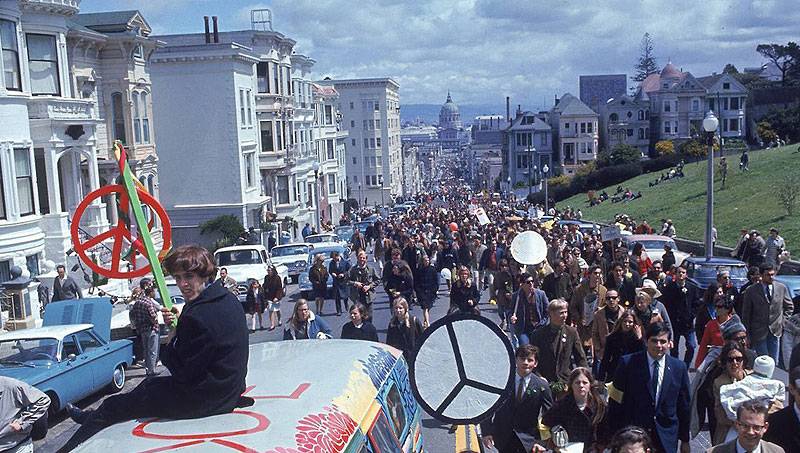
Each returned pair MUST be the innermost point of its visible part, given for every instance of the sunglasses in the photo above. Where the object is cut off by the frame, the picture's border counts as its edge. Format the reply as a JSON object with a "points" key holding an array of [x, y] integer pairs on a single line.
{"points": [[612, 297], [528, 282], [737, 359]]}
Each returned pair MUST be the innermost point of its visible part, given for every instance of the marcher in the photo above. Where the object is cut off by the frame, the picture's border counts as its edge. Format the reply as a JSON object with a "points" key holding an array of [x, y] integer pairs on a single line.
{"points": [[273, 294], [559, 345], [363, 280], [227, 281], [464, 296], [318, 276], [21, 406], [64, 286], [624, 339], [255, 305], [359, 328], [784, 426], [339, 270], [765, 306], [582, 412], [305, 325], [426, 287], [404, 329], [206, 355], [144, 320], [751, 424]]}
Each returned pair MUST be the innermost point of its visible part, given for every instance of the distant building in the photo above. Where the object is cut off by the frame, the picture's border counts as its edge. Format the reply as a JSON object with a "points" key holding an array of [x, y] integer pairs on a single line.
{"points": [[411, 181], [626, 120], [370, 111], [529, 146], [596, 90], [488, 129], [576, 132], [419, 134], [451, 130]]}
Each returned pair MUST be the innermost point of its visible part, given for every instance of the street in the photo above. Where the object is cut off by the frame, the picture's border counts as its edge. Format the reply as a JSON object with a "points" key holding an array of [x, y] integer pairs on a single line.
{"points": [[436, 434]]}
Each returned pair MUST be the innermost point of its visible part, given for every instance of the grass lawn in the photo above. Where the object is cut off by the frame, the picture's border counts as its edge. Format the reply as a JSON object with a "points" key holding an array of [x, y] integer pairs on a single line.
{"points": [[747, 201]]}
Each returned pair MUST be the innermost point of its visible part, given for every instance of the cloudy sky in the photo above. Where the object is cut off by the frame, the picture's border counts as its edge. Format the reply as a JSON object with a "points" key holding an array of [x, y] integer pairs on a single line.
{"points": [[484, 50]]}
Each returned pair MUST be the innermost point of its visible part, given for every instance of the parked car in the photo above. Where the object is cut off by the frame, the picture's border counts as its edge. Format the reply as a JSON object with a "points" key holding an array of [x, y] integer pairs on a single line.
{"points": [[71, 356], [293, 256], [345, 232], [583, 227], [363, 225], [792, 282], [654, 246], [325, 239], [701, 273], [245, 262]]}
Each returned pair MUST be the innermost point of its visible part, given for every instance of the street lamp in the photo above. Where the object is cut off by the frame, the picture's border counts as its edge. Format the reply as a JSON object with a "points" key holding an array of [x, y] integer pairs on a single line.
{"points": [[545, 169], [508, 180], [315, 167], [710, 124], [531, 150]]}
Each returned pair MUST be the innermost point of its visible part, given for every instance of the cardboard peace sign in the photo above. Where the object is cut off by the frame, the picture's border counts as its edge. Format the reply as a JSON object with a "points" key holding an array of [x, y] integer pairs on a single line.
{"points": [[119, 233]]}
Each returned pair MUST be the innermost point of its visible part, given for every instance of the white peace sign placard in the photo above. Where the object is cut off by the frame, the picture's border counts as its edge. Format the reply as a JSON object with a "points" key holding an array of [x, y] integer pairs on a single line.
{"points": [[463, 369]]}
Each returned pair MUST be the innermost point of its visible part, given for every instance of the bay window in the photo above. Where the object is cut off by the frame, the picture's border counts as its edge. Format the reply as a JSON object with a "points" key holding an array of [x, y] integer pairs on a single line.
{"points": [[43, 64], [8, 42]]}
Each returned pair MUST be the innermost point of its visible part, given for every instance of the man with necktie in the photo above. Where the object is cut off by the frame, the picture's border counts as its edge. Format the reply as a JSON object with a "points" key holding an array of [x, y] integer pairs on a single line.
{"points": [[765, 307], [651, 390], [751, 424], [514, 427]]}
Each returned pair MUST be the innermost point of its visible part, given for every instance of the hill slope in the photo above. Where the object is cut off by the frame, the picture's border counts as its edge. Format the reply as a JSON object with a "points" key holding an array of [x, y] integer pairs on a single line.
{"points": [[747, 201]]}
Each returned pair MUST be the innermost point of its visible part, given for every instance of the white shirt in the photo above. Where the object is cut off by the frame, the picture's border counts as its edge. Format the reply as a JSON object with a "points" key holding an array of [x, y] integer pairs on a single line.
{"points": [[662, 362], [740, 449]]}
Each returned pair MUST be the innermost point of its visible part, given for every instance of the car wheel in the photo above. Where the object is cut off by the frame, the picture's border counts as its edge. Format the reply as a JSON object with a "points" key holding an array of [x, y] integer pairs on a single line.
{"points": [[55, 404], [117, 379], [294, 279]]}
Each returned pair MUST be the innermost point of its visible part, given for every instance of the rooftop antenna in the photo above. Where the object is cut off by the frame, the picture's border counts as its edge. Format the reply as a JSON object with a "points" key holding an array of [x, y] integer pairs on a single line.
{"points": [[261, 19]]}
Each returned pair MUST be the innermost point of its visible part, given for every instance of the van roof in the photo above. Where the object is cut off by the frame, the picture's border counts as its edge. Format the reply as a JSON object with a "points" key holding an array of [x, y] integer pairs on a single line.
{"points": [[315, 384]]}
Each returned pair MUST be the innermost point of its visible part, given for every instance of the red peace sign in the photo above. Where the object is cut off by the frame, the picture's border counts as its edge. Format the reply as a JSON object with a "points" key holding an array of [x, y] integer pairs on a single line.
{"points": [[118, 233]]}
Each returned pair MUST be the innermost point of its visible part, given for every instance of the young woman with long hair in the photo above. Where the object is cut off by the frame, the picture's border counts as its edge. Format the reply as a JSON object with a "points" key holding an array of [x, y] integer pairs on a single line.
{"points": [[464, 295], [273, 293], [255, 305], [625, 338], [305, 325], [404, 329], [581, 412]]}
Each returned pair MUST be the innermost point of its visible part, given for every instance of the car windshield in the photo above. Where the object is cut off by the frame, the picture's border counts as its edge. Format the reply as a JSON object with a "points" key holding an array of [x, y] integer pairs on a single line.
{"points": [[345, 232], [711, 271], [322, 238], [238, 257], [17, 352], [290, 250]]}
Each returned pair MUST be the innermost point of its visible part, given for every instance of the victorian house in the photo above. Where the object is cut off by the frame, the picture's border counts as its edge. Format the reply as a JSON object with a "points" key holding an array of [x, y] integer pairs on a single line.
{"points": [[626, 120], [60, 72], [527, 149], [576, 134]]}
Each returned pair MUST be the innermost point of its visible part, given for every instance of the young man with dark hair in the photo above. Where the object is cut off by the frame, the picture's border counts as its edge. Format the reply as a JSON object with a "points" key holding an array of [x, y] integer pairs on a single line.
{"points": [[514, 427], [751, 424], [765, 307], [651, 389]]}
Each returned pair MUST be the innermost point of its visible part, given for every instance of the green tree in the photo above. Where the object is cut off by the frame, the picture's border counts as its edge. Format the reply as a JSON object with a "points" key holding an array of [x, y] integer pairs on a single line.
{"points": [[785, 58], [730, 69], [646, 64], [694, 148], [227, 226], [788, 191], [765, 131], [785, 123], [619, 155]]}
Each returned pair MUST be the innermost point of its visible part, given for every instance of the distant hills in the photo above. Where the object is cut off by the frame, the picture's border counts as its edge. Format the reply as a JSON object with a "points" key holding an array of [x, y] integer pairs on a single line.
{"points": [[429, 113]]}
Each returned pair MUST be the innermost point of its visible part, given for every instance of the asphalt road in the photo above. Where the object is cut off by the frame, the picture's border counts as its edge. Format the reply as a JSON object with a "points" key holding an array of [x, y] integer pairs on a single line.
{"points": [[437, 435]]}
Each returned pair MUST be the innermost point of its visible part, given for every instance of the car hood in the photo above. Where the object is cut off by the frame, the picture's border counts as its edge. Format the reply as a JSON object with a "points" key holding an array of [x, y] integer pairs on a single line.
{"points": [[242, 272], [288, 259], [32, 376]]}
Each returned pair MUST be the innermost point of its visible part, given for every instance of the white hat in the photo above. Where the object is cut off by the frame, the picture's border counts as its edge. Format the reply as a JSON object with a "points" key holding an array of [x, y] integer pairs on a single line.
{"points": [[764, 366], [650, 288]]}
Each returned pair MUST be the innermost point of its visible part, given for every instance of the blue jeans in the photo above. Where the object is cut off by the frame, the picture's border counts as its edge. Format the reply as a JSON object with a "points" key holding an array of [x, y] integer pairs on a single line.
{"points": [[691, 344], [767, 346]]}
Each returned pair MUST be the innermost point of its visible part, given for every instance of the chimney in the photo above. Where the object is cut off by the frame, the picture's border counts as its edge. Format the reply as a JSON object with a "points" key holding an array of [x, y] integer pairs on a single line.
{"points": [[508, 109], [555, 99], [208, 34], [216, 31]]}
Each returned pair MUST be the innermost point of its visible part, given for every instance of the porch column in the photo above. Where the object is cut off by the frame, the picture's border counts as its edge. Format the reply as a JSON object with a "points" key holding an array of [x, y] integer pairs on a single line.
{"points": [[53, 183]]}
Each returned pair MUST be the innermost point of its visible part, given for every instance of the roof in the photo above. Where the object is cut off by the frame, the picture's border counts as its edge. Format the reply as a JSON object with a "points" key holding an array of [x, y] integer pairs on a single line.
{"points": [[709, 81], [58, 332], [671, 71], [651, 83], [111, 21], [291, 391], [716, 260], [570, 105], [537, 124], [324, 90]]}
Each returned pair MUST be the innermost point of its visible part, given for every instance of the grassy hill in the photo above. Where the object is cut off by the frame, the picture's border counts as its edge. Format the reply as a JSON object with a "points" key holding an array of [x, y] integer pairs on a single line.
{"points": [[747, 201]]}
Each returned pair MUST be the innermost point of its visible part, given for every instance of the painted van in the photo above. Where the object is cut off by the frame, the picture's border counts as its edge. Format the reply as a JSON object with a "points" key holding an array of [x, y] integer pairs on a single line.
{"points": [[326, 396]]}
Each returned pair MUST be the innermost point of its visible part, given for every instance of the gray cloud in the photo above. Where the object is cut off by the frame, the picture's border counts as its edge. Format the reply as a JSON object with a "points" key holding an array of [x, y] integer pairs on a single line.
{"points": [[484, 50]]}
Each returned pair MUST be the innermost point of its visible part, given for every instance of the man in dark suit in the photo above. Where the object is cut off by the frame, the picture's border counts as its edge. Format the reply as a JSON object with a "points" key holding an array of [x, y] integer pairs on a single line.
{"points": [[624, 285], [765, 307], [784, 425], [64, 286], [651, 389], [751, 423], [680, 301], [514, 427], [559, 344]]}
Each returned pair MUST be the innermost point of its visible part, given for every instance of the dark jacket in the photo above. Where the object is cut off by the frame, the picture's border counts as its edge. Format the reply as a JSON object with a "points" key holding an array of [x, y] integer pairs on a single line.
{"points": [[559, 348], [631, 402], [558, 286], [626, 290], [366, 332], [531, 313], [784, 429], [681, 307], [340, 284], [460, 296], [404, 338], [504, 289], [426, 285], [254, 301], [618, 344], [318, 276], [403, 284], [565, 413], [208, 355], [69, 290], [273, 288], [520, 417]]}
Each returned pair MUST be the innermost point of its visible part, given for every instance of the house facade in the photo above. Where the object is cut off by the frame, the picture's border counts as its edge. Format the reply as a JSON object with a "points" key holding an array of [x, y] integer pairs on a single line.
{"points": [[626, 120], [528, 148], [577, 134]]}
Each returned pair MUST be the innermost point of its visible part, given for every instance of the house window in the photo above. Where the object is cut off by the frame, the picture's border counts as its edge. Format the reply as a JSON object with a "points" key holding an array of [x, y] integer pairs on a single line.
{"points": [[544, 139], [242, 120], [352, 142], [675, 127], [331, 184], [262, 74], [366, 143], [590, 125], [695, 105], [377, 106], [283, 189], [377, 124], [43, 64], [32, 262], [250, 169], [726, 86], [641, 115], [144, 116], [267, 144], [2, 198], [378, 142], [734, 127], [137, 131], [667, 106], [583, 128], [667, 127], [724, 103], [22, 168], [630, 132], [352, 123], [8, 41], [138, 52], [276, 83], [735, 103], [351, 106], [328, 114], [117, 117], [614, 117], [330, 149], [354, 161], [372, 143], [566, 125], [364, 124], [641, 133], [247, 94]]}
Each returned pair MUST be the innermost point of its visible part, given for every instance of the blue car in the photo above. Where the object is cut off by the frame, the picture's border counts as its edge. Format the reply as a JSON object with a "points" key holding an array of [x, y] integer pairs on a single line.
{"points": [[304, 284], [71, 356], [701, 273], [792, 282]]}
